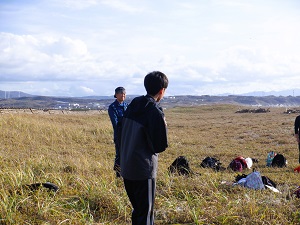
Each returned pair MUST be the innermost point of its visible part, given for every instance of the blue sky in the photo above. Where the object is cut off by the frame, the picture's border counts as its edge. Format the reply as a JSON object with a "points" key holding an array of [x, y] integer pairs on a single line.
{"points": [[89, 47]]}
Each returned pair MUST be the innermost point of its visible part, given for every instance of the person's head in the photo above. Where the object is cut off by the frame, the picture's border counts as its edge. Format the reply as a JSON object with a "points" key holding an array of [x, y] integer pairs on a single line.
{"points": [[155, 84], [120, 94]]}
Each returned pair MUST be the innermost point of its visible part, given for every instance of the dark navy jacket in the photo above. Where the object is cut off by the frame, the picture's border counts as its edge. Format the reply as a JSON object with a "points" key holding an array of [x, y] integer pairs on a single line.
{"points": [[143, 136], [116, 112], [297, 125]]}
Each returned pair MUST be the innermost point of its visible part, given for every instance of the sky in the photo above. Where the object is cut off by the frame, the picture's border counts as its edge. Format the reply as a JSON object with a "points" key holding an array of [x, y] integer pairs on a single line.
{"points": [[205, 47]]}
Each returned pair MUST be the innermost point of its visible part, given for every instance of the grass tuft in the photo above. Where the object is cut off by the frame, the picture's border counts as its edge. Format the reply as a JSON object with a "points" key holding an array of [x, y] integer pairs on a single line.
{"points": [[75, 151]]}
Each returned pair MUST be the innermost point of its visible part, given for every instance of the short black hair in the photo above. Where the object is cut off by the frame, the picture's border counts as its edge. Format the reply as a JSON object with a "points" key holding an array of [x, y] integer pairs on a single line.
{"points": [[154, 82], [119, 90]]}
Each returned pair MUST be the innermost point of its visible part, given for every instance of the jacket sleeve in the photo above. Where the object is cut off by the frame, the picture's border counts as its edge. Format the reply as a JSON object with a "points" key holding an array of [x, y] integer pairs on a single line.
{"points": [[297, 124], [113, 117], [158, 133]]}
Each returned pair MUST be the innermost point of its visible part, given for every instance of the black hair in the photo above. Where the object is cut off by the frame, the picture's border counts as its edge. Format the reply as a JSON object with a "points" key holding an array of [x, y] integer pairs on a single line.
{"points": [[154, 82]]}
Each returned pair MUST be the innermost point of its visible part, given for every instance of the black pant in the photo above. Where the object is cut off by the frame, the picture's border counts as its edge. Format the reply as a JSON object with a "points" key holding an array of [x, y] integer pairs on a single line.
{"points": [[299, 151], [141, 194], [117, 160]]}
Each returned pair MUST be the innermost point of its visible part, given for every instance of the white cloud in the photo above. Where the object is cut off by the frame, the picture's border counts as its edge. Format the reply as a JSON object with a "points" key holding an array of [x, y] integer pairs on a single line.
{"points": [[77, 5], [221, 28], [64, 46], [122, 5], [90, 47], [87, 90], [41, 56]]}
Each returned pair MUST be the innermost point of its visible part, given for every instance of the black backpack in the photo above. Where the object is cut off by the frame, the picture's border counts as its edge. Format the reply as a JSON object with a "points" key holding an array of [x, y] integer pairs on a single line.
{"points": [[180, 166], [267, 181], [210, 162], [278, 161], [238, 177]]}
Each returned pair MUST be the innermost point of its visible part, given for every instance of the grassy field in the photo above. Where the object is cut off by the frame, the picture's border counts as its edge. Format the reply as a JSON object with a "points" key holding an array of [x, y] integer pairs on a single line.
{"points": [[75, 151]]}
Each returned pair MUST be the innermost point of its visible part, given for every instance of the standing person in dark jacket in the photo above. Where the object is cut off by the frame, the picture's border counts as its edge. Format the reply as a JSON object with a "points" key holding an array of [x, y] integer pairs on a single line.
{"points": [[144, 135], [297, 131], [116, 111]]}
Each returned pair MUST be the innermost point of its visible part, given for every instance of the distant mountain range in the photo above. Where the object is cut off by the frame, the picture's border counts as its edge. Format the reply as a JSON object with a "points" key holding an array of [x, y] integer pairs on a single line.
{"points": [[13, 94], [17, 99], [289, 92]]}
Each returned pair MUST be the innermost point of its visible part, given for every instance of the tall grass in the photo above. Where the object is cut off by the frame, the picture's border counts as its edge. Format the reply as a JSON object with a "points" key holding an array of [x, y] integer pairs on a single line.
{"points": [[75, 151]]}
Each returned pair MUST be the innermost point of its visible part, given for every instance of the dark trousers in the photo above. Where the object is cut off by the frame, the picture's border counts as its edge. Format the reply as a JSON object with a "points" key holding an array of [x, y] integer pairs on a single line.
{"points": [[141, 194], [117, 160], [299, 151]]}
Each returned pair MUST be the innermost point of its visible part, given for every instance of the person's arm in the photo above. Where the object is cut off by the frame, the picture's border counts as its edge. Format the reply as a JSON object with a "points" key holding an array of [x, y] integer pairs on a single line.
{"points": [[297, 126], [158, 133], [113, 117]]}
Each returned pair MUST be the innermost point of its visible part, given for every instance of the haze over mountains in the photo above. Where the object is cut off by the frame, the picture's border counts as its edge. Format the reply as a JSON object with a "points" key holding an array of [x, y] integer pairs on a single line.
{"points": [[18, 99], [289, 92]]}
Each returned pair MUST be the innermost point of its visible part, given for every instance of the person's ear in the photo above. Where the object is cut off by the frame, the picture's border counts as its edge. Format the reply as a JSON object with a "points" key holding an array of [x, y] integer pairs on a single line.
{"points": [[161, 91]]}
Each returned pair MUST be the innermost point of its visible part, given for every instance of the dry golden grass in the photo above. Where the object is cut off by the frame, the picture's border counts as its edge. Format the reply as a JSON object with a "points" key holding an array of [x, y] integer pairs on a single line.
{"points": [[76, 152]]}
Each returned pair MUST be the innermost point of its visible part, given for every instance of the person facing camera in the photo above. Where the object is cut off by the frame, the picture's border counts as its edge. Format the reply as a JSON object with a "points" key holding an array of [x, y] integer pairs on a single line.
{"points": [[116, 111]]}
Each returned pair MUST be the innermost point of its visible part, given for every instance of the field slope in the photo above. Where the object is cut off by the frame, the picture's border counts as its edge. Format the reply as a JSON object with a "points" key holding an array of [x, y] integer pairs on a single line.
{"points": [[75, 151]]}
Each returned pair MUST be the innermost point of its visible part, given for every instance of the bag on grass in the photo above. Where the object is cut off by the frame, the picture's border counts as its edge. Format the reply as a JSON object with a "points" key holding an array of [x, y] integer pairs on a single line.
{"points": [[48, 185], [297, 192], [211, 162], [238, 164], [278, 161], [270, 158], [180, 165], [239, 177], [254, 181], [267, 181], [297, 169]]}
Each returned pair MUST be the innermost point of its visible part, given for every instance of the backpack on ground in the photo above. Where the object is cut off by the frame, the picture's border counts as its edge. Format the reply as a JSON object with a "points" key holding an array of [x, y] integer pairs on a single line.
{"points": [[238, 164], [278, 161], [254, 181], [297, 192], [267, 181], [180, 166], [239, 177], [270, 158], [297, 169], [211, 162]]}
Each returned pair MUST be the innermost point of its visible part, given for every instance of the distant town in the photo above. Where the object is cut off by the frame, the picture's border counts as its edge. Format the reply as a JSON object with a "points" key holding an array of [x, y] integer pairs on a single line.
{"points": [[22, 100]]}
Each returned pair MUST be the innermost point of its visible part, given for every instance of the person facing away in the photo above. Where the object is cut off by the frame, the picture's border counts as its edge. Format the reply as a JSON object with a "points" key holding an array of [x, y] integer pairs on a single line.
{"points": [[297, 131], [143, 136], [116, 111]]}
